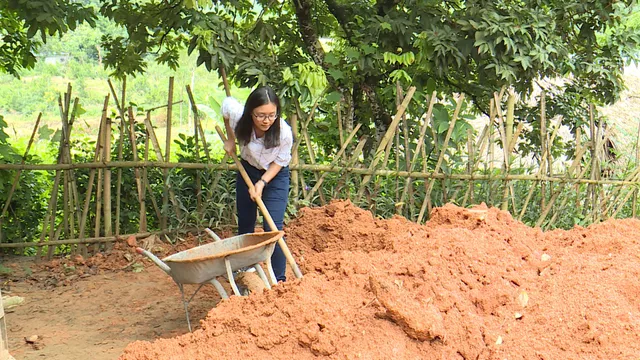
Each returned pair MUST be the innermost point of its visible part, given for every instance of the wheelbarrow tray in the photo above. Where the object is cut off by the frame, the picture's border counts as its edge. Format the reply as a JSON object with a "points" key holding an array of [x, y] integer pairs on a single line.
{"points": [[205, 262]]}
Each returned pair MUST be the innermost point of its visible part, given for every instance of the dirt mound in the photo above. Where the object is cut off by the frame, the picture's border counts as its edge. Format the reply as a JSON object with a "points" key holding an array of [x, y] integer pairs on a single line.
{"points": [[470, 284]]}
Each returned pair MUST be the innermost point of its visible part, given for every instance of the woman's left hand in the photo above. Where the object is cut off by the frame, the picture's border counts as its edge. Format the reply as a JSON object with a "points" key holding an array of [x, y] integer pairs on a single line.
{"points": [[257, 193]]}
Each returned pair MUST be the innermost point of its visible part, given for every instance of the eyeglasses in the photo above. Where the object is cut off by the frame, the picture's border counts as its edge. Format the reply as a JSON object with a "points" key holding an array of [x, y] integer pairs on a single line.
{"points": [[263, 117]]}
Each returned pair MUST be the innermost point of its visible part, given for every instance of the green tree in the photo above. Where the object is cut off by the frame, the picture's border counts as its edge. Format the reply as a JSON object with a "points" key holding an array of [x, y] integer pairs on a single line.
{"points": [[359, 50]]}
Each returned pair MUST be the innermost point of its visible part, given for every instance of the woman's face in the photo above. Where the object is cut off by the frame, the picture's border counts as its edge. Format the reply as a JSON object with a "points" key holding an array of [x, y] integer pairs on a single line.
{"points": [[263, 117]]}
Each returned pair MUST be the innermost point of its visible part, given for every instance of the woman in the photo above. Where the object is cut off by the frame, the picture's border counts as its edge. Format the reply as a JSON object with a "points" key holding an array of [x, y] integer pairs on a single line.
{"points": [[265, 141]]}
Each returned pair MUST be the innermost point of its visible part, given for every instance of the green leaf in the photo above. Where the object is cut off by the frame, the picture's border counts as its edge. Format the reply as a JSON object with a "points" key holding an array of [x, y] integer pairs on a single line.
{"points": [[333, 97], [330, 58], [336, 74], [44, 133]]}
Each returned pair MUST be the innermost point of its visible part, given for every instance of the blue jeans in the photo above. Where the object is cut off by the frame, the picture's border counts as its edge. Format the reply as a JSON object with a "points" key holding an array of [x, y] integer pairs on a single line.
{"points": [[275, 197]]}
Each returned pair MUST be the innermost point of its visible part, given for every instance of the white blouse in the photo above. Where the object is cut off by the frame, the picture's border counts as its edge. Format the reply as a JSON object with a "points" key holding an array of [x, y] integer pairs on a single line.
{"points": [[254, 152]]}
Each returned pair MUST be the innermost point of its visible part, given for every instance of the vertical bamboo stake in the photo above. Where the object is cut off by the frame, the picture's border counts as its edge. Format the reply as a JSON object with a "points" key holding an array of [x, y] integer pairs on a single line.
{"points": [[397, 187], [492, 116], [544, 147], [139, 186], [635, 192], [443, 150], [196, 130], [407, 159], [295, 183], [579, 166], [167, 156], [594, 163], [120, 106], [103, 130], [470, 162], [145, 177], [339, 115], [108, 229]]}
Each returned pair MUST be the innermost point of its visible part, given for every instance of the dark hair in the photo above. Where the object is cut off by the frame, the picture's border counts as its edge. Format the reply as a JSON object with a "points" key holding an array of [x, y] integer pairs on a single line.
{"points": [[258, 97]]}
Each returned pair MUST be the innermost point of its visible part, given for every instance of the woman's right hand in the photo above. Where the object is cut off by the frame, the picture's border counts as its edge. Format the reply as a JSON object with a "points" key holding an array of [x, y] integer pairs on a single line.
{"points": [[230, 147]]}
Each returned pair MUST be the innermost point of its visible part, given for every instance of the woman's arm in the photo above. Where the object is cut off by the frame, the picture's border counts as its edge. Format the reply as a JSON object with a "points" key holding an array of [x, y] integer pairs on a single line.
{"points": [[231, 111]]}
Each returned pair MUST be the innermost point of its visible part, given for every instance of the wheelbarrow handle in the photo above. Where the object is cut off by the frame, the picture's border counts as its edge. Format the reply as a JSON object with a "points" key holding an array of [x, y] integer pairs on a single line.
{"points": [[263, 209], [155, 259]]}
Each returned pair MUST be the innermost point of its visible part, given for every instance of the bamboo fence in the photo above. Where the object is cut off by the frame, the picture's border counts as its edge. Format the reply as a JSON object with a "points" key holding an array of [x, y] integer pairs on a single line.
{"points": [[401, 172]]}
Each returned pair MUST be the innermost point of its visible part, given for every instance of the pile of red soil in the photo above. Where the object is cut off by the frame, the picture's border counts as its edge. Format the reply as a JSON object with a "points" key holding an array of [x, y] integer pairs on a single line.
{"points": [[470, 284]]}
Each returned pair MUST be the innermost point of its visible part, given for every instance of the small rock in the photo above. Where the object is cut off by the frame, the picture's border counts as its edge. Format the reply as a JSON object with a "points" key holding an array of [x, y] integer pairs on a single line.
{"points": [[499, 340], [523, 298], [131, 241], [545, 257], [31, 339], [128, 256], [518, 316]]}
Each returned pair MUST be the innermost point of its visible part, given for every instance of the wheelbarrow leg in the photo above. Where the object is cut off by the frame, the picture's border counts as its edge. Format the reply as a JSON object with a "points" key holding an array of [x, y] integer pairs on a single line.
{"points": [[262, 275], [232, 281], [218, 286], [186, 305], [272, 275]]}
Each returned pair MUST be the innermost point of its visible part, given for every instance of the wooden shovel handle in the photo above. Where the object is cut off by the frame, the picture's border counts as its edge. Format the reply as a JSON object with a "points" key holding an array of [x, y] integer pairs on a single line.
{"points": [[263, 209]]}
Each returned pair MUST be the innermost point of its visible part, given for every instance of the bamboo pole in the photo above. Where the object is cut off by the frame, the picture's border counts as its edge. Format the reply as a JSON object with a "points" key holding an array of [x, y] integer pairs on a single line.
{"points": [[196, 131], [103, 131], [145, 176], [142, 215], [635, 192], [385, 140], [120, 107], [312, 168], [265, 212], [443, 150], [412, 164], [544, 144], [16, 177], [491, 152], [470, 165], [167, 156], [397, 152], [339, 116], [594, 163], [578, 169], [333, 164], [295, 158], [108, 224], [95, 240]]}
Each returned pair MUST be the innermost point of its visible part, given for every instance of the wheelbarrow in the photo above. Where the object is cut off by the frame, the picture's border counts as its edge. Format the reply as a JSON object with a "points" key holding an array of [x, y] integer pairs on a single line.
{"points": [[203, 264]]}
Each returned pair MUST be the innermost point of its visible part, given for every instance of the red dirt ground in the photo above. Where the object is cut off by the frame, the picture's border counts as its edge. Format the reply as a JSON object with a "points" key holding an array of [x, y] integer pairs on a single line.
{"points": [[470, 284]]}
